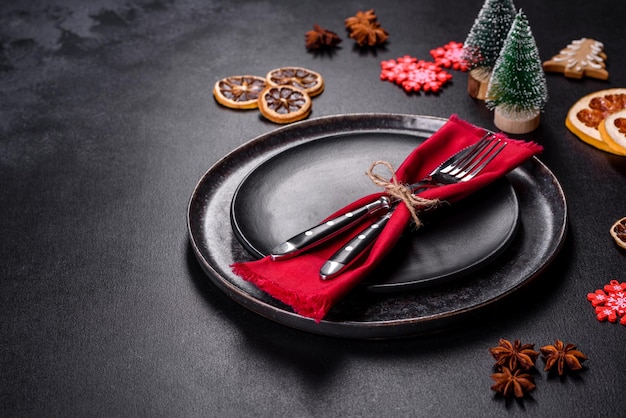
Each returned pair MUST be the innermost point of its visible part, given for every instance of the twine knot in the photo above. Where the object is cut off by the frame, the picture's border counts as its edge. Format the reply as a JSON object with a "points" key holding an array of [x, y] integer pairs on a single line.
{"points": [[400, 191]]}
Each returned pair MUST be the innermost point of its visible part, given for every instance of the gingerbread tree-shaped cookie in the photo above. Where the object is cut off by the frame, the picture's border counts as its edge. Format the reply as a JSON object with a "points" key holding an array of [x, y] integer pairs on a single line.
{"points": [[583, 57]]}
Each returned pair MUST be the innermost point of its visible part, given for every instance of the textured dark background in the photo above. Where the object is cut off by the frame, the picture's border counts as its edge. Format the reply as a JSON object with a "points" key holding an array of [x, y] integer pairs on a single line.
{"points": [[107, 122]]}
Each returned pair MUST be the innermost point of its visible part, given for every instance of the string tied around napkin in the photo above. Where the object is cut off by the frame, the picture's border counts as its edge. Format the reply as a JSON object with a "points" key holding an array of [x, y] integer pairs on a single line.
{"points": [[401, 191]]}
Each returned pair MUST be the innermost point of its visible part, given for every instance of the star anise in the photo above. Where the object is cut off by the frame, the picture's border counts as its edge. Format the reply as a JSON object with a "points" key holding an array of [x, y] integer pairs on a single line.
{"points": [[365, 29], [321, 38], [562, 355], [514, 355], [361, 17], [512, 383]]}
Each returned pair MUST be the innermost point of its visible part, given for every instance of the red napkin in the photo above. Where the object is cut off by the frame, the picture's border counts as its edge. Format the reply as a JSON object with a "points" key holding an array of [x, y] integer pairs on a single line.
{"points": [[296, 281]]}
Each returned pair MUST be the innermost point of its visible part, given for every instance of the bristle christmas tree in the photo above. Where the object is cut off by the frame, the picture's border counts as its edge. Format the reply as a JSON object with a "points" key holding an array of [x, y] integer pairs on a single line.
{"points": [[517, 89], [484, 43]]}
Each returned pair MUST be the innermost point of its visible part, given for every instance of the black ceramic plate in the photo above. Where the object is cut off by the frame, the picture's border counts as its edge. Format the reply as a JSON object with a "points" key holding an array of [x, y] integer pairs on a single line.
{"points": [[298, 187], [541, 232]]}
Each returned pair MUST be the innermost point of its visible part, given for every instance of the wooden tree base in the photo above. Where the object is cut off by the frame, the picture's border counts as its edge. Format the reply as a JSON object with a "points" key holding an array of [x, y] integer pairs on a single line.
{"points": [[477, 83], [515, 123]]}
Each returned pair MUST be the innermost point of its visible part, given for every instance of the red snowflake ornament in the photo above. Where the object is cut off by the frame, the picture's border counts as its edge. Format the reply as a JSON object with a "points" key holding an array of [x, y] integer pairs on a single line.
{"points": [[450, 56], [413, 74], [610, 302]]}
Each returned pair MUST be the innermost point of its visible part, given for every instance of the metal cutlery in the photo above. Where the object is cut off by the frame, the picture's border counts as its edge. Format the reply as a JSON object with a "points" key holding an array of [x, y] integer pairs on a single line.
{"points": [[320, 233], [462, 169]]}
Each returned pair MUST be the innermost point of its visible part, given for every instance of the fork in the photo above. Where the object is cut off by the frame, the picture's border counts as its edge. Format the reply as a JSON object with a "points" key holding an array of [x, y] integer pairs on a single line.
{"points": [[322, 232], [463, 169]]}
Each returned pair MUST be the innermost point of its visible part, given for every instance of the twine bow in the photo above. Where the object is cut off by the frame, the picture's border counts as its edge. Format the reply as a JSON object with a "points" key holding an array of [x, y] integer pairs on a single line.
{"points": [[400, 191]]}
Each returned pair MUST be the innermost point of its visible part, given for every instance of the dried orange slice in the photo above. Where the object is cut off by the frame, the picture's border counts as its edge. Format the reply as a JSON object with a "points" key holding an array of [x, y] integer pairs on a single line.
{"points": [[239, 91], [613, 131], [586, 115], [298, 77], [618, 232], [284, 104]]}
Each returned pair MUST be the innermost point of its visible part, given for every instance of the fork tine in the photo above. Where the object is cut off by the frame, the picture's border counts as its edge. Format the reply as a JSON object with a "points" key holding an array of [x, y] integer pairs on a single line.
{"points": [[487, 157], [466, 168], [468, 160], [468, 155]]}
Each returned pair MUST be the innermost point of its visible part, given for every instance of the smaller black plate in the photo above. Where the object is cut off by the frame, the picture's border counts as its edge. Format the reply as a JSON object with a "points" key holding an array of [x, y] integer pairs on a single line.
{"points": [[297, 188]]}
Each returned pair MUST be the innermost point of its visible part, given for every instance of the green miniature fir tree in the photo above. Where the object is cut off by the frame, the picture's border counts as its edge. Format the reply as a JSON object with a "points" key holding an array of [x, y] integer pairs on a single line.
{"points": [[486, 37], [518, 83]]}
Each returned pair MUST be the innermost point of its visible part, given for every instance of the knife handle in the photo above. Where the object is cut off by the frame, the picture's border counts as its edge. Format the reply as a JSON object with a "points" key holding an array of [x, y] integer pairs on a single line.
{"points": [[341, 260], [320, 233]]}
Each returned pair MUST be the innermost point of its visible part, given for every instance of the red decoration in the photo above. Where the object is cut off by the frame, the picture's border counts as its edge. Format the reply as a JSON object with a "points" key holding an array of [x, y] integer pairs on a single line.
{"points": [[413, 74], [610, 302], [450, 56], [296, 281]]}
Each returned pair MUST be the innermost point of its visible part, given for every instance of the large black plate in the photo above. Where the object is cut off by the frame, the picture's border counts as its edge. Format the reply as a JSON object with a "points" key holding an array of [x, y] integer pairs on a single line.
{"points": [[541, 232], [298, 187]]}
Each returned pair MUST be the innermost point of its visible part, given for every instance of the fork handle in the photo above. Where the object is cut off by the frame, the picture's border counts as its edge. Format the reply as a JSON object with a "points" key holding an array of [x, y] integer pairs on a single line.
{"points": [[320, 233]]}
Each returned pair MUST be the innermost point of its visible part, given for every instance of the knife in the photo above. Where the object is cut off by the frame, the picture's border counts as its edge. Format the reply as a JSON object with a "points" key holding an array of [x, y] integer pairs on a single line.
{"points": [[358, 245]]}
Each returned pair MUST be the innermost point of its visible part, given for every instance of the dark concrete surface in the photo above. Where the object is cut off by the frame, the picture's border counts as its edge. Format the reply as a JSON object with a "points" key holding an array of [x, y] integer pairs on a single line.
{"points": [[107, 122]]}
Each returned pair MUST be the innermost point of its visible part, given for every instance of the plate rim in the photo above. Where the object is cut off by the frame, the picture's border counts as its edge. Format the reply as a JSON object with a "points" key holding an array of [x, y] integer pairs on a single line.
{"points": [[375, 329]]}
